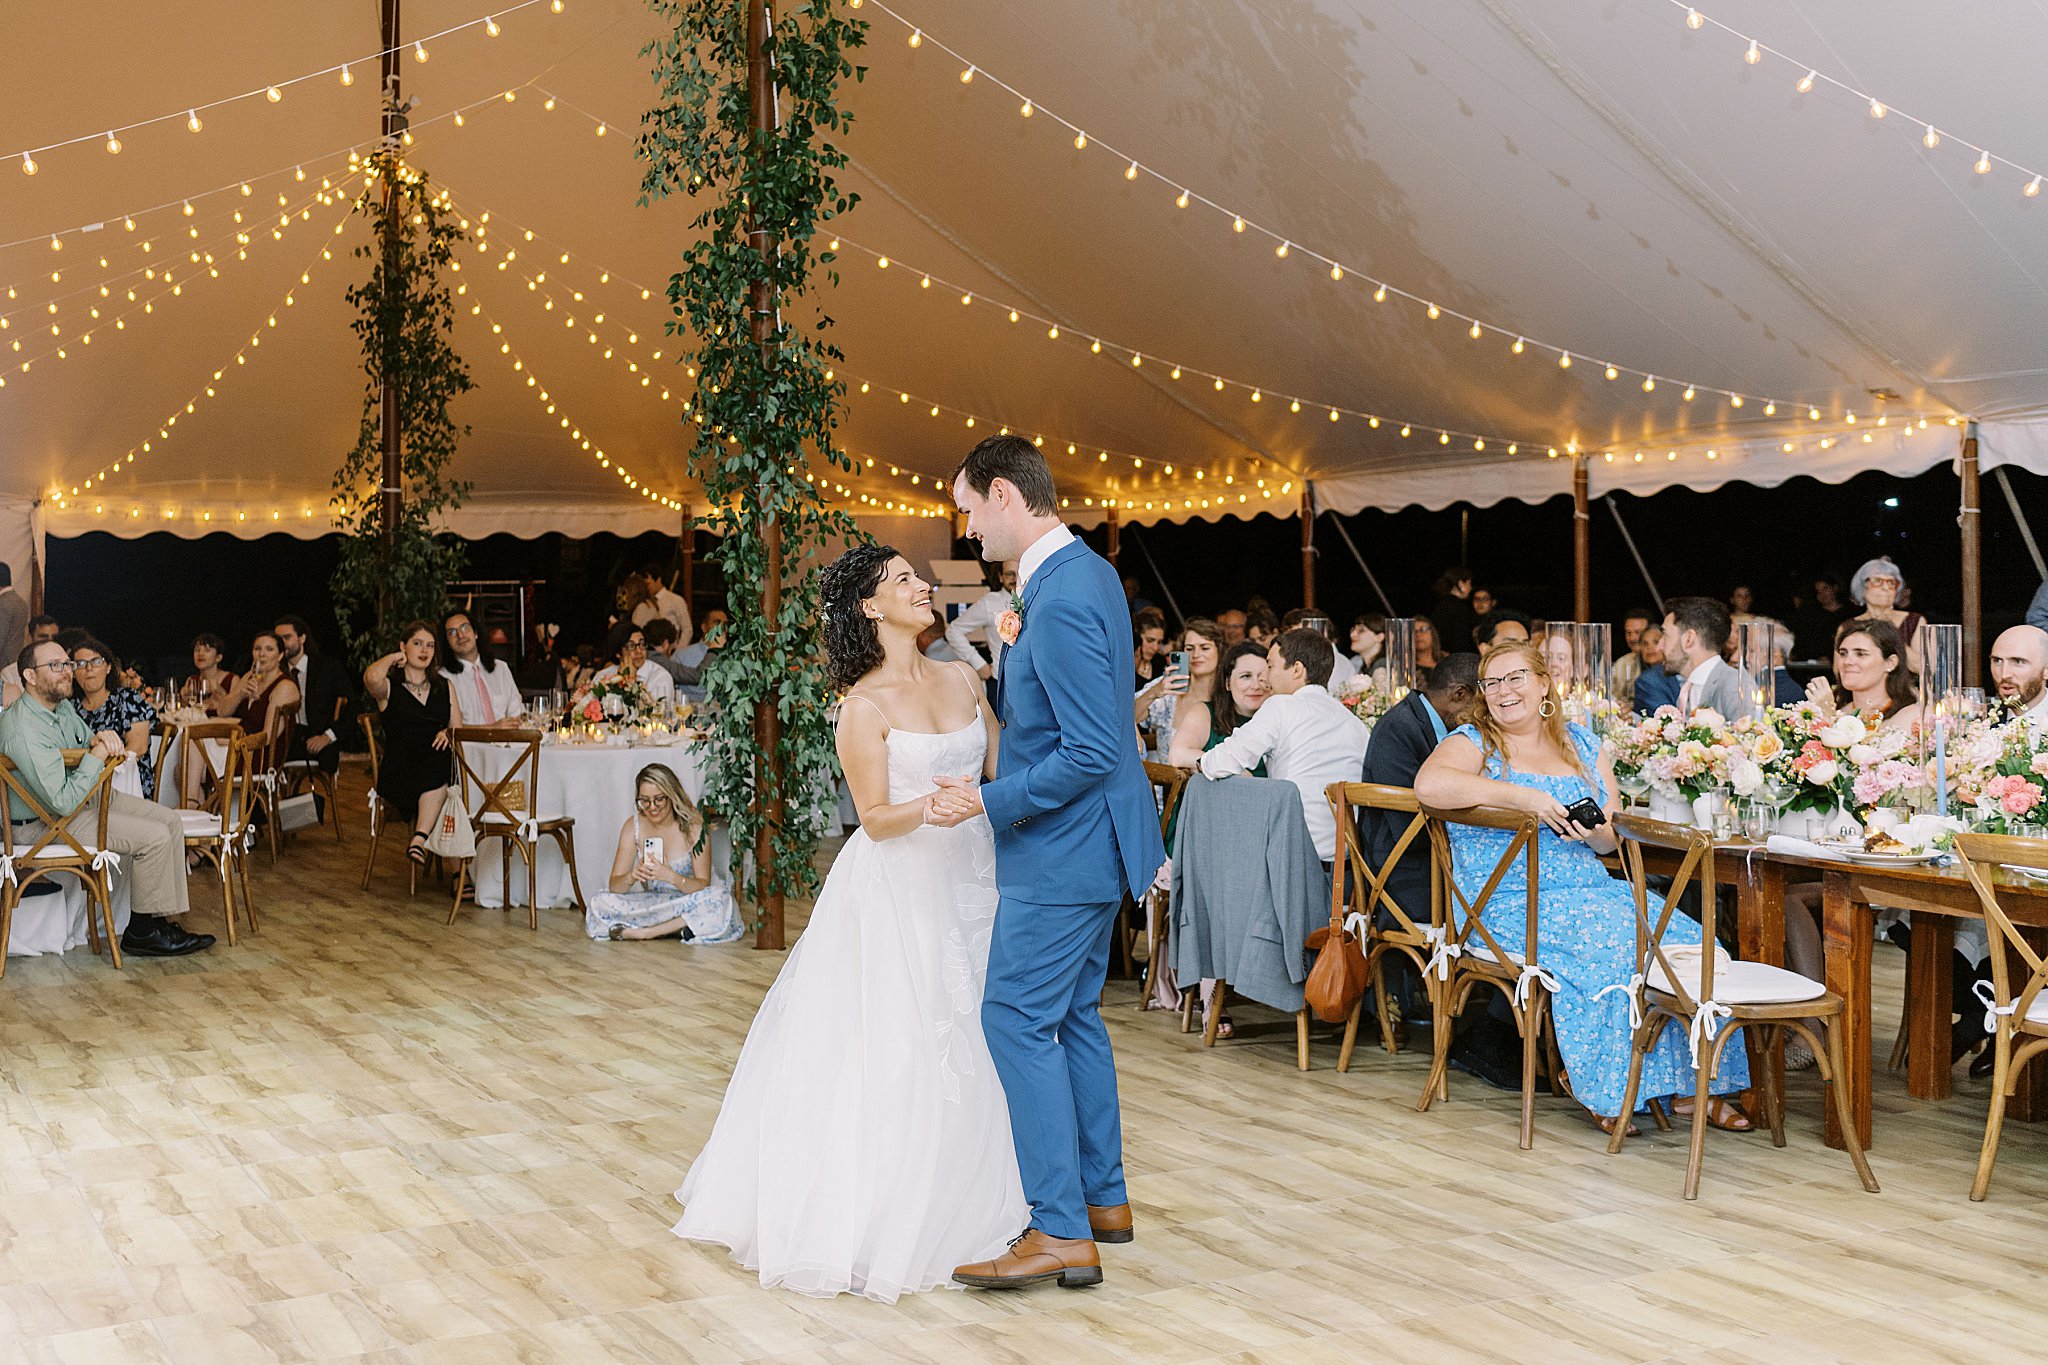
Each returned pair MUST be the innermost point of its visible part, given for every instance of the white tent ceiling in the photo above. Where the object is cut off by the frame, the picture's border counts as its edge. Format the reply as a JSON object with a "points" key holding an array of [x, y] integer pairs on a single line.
{"points": [[1600, 178]]}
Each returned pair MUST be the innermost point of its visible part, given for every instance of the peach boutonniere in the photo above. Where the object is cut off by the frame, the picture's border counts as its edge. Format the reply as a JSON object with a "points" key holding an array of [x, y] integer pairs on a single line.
{"points": [[1011, 623]]}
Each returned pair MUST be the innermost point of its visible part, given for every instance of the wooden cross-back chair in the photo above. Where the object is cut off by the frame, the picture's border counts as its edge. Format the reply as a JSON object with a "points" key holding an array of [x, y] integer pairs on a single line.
{"points": [[380, 812], [1470, 956], [65, 845], [1683, 985], [1168, 782], [1359, 891], [222, 830], [506, 812], [2017, 1009]]}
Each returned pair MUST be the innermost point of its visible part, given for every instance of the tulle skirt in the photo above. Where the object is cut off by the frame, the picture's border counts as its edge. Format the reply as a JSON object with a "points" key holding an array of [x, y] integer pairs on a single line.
{"points": [[864, 1142]]}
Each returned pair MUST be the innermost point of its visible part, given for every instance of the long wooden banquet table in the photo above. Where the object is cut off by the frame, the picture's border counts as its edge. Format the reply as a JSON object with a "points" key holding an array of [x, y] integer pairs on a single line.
{"points": [[1938, 896]]}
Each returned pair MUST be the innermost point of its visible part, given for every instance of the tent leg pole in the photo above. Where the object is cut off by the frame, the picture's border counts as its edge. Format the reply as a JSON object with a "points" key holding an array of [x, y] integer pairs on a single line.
{"points": [[1582, 543], [1363, 567], [1634, 553], [1308, 544], [689, 549], [1115, 546], [767, 722], [1157, 577], [1970, 520], [2019, 515]]}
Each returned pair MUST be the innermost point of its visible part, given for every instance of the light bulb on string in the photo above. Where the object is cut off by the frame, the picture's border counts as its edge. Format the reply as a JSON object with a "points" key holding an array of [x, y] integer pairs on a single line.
{"points": [[1931, 139], [1179, 203], [192, 120], [28, 164], [1983, 166], [1693, 19], [1877, 109], [1754, 54], [347, 76], [1805, 86], [113, 145], [967, 76], [1025, 109], [2033, 188], [273, 94]]}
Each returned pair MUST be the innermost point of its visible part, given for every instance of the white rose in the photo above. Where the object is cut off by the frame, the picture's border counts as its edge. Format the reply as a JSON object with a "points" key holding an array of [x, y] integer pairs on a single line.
{"points": [[1823, 773], [1744, 775], [1843, 732], [1863, 755], [1710, 718]]}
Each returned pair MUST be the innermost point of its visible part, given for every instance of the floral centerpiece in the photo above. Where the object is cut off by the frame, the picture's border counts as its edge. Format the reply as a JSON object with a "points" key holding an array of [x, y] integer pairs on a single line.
{"points": [[1843, 761], [1364, 698], [1999, 772], [1687, 757], [621, 697]]}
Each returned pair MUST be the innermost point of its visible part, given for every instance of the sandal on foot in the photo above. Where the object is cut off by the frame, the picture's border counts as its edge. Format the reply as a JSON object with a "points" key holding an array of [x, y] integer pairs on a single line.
{"points": [[1606, 1125], [618, 931], [1722, 1113], [417, 849], [1225, 1029]]}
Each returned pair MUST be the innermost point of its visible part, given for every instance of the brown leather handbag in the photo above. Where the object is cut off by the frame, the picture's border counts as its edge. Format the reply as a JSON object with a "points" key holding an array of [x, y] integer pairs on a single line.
{"points": [[1337, 979]]}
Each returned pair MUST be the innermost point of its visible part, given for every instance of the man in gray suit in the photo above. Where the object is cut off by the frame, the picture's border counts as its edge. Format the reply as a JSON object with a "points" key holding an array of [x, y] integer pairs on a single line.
{"points": [[1695, 632]]}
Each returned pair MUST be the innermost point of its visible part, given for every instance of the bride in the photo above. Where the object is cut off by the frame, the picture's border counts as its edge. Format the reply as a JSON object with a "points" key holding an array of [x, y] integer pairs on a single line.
{"points": [[864, 1142]]}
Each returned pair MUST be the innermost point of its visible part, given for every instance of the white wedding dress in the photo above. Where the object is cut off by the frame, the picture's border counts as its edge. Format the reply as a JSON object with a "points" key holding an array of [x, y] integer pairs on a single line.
{"points": [[864, 1143]]}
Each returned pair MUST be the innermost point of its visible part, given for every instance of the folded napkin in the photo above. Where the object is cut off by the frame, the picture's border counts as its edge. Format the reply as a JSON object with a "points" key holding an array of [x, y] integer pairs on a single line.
{"points": [[1803, 848]]}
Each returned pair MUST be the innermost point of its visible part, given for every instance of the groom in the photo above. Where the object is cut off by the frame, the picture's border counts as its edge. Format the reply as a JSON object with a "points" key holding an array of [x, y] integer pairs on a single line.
{"points": [[1075, 828]]}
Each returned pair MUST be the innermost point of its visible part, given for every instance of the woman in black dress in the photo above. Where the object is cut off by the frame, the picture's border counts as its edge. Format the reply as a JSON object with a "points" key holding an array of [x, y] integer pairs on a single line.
{"points": [[409, 689]]}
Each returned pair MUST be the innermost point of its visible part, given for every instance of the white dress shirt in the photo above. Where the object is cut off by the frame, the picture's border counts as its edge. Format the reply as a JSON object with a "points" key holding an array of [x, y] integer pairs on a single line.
{"points": [[1306, 737], [670, 607], [472, 683], [660, 686], [2038, 712], [1042, 549], [978, 615], [1696, 685]]}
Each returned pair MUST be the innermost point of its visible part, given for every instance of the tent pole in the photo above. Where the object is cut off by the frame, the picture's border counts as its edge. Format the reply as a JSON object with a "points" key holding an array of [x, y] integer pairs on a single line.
{"points": [[1308, 543], [1157, 577], [689, 549], [1582, 543], [767, 724], [389, 419], [1114, 546], [1634, 553], [2019, 515], [1970, 519], [1363, 567]]}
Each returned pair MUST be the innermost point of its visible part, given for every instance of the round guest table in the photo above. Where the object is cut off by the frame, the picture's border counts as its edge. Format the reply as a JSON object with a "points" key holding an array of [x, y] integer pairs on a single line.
{"points": [[591, 782]]}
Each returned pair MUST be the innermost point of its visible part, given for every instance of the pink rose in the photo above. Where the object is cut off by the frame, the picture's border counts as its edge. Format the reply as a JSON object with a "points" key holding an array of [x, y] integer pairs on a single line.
{"points": [[2040, 763], [2020, 798]]}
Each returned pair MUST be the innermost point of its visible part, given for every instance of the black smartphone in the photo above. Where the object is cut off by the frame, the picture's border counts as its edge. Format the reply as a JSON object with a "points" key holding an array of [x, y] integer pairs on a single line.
{"points": [[1586, 813]]}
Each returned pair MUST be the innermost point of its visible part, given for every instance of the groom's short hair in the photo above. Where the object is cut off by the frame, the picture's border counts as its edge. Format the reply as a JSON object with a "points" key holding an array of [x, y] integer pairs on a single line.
{"points": [[1018, 463]]}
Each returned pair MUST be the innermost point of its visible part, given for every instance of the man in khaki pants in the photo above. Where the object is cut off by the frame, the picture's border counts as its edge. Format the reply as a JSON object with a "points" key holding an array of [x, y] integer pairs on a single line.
{"points": [[34, 732]]}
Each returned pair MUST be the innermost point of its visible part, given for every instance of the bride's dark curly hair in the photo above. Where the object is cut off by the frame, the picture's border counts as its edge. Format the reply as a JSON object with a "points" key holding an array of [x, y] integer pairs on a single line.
{"points": [[853, 647]]}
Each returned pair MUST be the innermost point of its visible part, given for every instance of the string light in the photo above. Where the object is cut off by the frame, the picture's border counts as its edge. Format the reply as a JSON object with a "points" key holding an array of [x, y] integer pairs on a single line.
{"points": [[273, 91], [1285, 245], [1755, 50]]}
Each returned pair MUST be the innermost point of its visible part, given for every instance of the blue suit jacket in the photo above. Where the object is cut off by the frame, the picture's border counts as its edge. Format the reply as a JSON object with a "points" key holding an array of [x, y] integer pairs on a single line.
{"points": [[1072, 811]]}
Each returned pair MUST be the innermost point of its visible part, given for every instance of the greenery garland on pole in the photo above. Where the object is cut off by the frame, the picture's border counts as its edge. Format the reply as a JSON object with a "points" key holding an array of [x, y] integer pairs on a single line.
{"points": [[394, 567], [746, 102]]}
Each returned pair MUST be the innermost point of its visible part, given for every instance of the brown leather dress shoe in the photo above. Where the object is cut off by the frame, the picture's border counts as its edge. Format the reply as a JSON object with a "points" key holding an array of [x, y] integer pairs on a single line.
{"points": [[1110, 1222], [1034, 1258]]}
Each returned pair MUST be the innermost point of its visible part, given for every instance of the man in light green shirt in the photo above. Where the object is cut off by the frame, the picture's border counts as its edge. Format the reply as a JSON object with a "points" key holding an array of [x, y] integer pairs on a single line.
{"points": [[149, 838]]}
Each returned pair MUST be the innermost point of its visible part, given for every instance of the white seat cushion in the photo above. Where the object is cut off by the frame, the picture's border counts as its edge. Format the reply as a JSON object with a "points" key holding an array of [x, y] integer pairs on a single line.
{"points": [[1737, 983], [1476, 947], [199, 822], [57, 850]]}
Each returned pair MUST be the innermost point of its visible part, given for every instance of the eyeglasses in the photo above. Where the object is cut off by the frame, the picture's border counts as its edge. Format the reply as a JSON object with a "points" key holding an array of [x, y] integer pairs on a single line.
{"points": [[82, 664], [1514, 680], [632, 644], [650, 802], [60, 666], [463, 628]]}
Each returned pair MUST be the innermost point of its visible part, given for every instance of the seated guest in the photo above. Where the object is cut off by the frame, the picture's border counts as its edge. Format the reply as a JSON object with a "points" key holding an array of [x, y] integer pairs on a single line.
{"points": [[627, 644], [981, 615], [264, 698], [415, 698], [1879, 588], [1429, 646], [323, 695], [661, 648], [1657, 686], [1405, 736], [662, 884], [1558, 656], [1484, 603], [1232, 622], [1695, 634], [1519, 752], [1785, 689], [654, 599], [1369, 644], [105, 706], [1200, 726], [150, 839], [1261, 626], [1149, 659], [692, 659], [1157, 706], [1621, 677], [481, 684], [1503, 626], [2019, 663], [1302, 734], [1870, 675], [579, 667], [210, 682]]}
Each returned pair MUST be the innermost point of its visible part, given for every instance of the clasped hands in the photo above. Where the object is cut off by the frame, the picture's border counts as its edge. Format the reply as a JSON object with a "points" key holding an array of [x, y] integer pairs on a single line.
{"points": [[955, 802]]}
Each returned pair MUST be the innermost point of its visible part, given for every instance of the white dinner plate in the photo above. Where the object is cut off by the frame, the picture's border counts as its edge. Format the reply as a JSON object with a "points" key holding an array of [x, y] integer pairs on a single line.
{"points": [[1857, 854]]}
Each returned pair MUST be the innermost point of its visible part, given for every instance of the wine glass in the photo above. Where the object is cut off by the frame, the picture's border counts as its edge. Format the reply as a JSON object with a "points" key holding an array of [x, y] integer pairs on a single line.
{"points": [[1634, 785]]}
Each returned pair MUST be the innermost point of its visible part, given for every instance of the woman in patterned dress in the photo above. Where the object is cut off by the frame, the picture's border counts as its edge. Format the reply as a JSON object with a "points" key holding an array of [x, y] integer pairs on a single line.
{"points": [[1518, 751], [106, 706], [667, 890]]}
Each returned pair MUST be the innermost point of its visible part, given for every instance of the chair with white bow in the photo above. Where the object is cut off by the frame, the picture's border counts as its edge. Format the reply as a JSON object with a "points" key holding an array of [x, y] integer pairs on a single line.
{"points": [[2016, 1014], [61, 845], [1702, 990], [1468, 955], [1383, 924], [505, 810], [222, 830]]}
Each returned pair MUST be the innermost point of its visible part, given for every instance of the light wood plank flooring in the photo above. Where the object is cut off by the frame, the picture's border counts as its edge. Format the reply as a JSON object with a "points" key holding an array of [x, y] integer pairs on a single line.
{"points": [[362, 1135]]}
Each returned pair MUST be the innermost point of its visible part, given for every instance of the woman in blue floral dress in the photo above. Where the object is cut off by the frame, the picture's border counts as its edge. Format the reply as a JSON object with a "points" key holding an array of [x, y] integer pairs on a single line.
{"points": [[662, 882], [1519, 752]]}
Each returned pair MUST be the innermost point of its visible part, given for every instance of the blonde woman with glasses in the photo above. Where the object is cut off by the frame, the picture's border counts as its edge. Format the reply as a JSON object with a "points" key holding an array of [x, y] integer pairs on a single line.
{"points": [[662, 884]]}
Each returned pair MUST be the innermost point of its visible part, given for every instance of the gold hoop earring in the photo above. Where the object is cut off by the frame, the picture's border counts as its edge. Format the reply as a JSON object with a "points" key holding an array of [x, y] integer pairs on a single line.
{"points": [[1548, 709]]}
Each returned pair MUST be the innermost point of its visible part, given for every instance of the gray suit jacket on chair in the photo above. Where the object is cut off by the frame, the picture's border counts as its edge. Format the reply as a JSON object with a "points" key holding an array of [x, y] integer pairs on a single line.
{"points": [[1247, 888]]}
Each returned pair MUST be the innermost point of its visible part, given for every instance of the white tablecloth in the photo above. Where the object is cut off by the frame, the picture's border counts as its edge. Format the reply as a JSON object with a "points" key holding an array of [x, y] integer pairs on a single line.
{"points": [[593, 783]]}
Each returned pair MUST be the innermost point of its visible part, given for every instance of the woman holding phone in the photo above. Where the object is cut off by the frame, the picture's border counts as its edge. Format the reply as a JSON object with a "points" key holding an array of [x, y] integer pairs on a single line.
{"points": [[662, 884], [1190, 673]]}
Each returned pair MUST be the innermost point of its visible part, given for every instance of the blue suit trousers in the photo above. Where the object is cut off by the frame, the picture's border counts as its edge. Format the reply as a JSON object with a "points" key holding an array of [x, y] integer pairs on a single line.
{"points": [[1042, 1013]]}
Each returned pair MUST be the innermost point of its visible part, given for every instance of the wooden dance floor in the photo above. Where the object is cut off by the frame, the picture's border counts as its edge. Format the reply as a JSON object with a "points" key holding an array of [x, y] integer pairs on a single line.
{"points": [[364, 1136]]}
